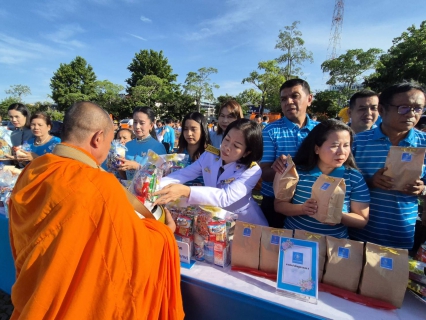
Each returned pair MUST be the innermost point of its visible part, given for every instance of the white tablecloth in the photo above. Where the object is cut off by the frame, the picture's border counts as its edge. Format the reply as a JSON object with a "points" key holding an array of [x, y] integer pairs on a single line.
{"points": [[328, 306]]}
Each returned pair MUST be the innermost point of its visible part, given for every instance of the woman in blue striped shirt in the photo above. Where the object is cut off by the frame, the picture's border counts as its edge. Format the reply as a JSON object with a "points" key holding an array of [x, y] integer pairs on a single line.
{"points": [[327, 150]]}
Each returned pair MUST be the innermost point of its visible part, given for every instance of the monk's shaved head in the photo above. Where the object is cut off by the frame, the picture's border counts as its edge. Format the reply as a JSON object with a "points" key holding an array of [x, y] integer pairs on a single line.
{"points": [[82, 120]]}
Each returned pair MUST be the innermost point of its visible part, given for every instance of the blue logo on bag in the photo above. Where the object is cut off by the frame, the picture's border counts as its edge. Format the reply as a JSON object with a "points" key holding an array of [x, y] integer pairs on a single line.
{"points": [[343, 253], [325, 186], [406, 157], [386, 263], [275, 240], [297, 257], [247, 232]]}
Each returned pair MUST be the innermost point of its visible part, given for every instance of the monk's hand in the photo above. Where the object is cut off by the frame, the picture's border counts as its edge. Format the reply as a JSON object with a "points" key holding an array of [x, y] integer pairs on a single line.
{"points": [[280, 164], [171, 193], [414, 189], [310, 207], [379, 180], [127, 164], [169, 220]]}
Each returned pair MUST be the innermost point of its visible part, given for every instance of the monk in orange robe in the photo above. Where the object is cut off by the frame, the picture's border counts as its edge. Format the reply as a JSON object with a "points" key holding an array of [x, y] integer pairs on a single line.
{"points": [[80, 250]]}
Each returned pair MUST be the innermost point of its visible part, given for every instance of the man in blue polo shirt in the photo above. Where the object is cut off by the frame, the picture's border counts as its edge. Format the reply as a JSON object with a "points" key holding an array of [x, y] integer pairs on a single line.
{"points": [[283, 137], [392, 213]]}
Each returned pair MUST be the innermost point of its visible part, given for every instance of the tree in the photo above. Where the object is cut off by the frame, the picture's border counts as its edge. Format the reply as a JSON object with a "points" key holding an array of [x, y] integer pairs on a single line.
{"points": [[249, 97], [73, 82], [405, 60], [149, 63], [327, 103], [197, 85], [347, 68], [5, 103], [290, 41], [18, 90], [268, 82], [108, 96]]}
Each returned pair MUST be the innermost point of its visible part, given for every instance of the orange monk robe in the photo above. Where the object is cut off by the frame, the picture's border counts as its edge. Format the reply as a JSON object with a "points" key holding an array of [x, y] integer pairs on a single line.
{"points": [[82, 253]]}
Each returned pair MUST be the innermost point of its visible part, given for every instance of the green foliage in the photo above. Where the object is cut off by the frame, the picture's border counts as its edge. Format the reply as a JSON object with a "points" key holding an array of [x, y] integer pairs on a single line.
{"points": [[327, 103], [56, 115], [149, 63], [405, 60], [268, 83], [290, 41], [18, 90], [197, 85], [347, 68], [108, 96], [73, 82], [4, 105], [178, 105]]}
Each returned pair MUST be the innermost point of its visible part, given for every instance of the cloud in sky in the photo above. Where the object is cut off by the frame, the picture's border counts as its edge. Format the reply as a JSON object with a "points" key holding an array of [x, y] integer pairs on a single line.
{"points": [[16, 51], [145, 19], [137, 37], [65, 34], [55, 9], [239, 13]]}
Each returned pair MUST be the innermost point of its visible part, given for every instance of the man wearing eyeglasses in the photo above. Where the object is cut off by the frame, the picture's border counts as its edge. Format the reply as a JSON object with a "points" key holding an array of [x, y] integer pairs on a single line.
{"points": [[392, 213], [363, 110]]}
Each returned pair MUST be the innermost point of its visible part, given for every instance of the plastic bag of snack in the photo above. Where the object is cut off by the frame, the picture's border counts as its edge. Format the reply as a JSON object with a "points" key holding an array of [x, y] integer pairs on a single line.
{"points": [[116, 151]]}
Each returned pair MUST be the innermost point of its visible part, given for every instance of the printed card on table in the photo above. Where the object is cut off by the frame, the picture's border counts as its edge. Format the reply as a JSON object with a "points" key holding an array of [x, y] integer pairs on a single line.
{"points": [[298, 269]]}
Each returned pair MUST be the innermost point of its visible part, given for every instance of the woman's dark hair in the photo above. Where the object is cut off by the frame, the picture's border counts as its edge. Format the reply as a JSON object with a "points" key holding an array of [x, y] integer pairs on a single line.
{"points": [[306, 159], [236, 111], [204, 139], [132, 134], [252, 133], [151, 116], [42, 115], [22, 109]]}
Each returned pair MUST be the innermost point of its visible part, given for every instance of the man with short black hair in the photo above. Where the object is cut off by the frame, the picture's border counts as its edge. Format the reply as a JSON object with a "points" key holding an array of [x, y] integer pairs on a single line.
{"points": [[258, 119], [283, 137], [363, 110], [392, 213]]}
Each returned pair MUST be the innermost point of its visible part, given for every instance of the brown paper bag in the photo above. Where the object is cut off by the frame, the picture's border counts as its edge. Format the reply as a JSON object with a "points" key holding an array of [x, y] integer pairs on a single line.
{"points": [[246, 245], [385, 274], [285, 183], [270, 247], [322, 247], [344, 263], [404, 165], [329, 192]]}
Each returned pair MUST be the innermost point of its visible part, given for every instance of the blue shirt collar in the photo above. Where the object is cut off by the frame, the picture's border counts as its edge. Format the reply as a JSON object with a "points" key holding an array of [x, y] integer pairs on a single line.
{"points": [[378, 135], [337, 172], [310, 124]]}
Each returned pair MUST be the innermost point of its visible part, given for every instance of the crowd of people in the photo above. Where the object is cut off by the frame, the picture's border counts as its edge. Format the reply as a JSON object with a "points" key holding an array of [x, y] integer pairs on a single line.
{"points": [[226, 164]]}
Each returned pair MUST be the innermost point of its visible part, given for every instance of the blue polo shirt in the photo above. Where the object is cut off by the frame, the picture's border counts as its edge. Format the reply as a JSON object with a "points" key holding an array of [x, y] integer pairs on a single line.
{"points": [[282, 137], [392, 213], [356, 190]]}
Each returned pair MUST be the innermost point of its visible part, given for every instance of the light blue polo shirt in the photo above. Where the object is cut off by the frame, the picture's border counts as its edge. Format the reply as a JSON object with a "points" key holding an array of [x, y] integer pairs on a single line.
{"points": [[356, 190], [282, 137], [392, 213]]}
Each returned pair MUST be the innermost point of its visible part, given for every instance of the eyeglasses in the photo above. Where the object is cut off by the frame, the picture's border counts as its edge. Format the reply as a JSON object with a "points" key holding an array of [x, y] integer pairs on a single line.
{"points": [[407, 109]]}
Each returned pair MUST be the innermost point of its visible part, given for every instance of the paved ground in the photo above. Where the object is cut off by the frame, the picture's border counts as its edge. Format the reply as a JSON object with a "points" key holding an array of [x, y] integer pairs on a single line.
{"points": [[6, 307]]}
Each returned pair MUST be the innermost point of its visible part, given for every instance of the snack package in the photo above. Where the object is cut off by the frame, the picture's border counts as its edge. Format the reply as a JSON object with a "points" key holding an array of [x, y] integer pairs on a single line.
{"points": [[385, 274], [24, 147], [329, 192], [184, 225], [405, 165], [421, 253], [322, 247], [246, 245], [174, 162], [117, 150], [270, 248], [285, 183], [5, 142], [344, 263], [221, 254]]}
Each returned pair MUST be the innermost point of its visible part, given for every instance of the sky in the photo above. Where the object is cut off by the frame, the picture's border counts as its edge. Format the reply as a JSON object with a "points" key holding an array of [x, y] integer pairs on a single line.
{"points": [[232, 36]]}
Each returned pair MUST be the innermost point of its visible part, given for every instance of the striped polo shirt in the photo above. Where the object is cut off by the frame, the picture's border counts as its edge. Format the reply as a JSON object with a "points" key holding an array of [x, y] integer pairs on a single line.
{"points": [[356, 190], [282, 137], [392, 213]]}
